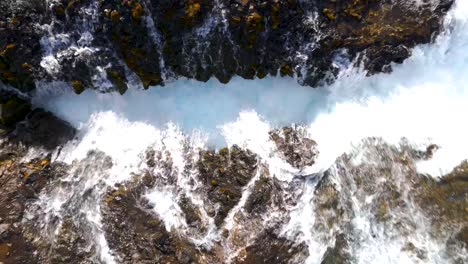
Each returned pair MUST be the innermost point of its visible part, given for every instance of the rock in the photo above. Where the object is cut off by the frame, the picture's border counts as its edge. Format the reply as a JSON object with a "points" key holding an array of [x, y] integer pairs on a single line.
{"points": [[200, 39], [44, 130], [13, 111], [224, 174], [139, 234], [264, 191], [339, 253], [443, 200], [270, 248], [4, 228], [295, 147], [192, 214]]}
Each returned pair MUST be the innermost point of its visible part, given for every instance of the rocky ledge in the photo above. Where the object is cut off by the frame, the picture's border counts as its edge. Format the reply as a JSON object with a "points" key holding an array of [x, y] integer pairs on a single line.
{"points": [[229, 194], [104, 44]]}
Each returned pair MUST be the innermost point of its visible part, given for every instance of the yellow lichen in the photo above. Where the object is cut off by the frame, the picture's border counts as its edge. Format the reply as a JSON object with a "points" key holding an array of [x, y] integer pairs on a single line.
{"points": [[192, 9], [236, 20], [9, 76], [77, 86], [254, 18], [286, 70], [26, 66], [115, 16], [329, 14], [137, 12], [8, 48], [275, 21]]}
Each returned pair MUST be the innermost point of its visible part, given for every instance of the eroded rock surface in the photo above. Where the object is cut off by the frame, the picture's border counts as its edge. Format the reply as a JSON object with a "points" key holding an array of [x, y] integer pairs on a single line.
{"points": [[158, 41], [295, 146]]}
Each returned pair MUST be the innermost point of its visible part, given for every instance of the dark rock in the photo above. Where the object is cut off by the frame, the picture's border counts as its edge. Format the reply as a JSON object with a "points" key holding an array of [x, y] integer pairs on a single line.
{"points": [[264, 193], [295, 147], [164, 40], [224, 174], [445, 200], [339, 253], [192, 214], [13, 111], [22, 182], [270, 248], [42, 129], [137, 234]]}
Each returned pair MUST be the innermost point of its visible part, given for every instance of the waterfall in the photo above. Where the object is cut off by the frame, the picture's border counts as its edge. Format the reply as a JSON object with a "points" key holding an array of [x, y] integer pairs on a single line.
{"points": [[151, 156]]}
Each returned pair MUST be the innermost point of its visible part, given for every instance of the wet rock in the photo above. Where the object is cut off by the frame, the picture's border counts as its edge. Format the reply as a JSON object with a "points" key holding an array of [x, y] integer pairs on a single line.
{"points": [[337, 254], [70, 245], [224, 174], [23, 179], [270, 248], [13, 111], [42, 129], [267, 191], [22, 182], [445, 200], [4, 229], [200, 39], [295, 147], [192, 214], [136, 234]]}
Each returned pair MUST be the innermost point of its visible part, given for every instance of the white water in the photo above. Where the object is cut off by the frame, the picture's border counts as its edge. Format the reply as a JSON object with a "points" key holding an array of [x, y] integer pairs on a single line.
{"points": [[424, 99]]}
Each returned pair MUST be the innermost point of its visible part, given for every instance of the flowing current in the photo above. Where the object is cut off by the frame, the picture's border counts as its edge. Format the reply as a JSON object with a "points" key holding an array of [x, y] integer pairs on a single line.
{"points": [[422, 102]]}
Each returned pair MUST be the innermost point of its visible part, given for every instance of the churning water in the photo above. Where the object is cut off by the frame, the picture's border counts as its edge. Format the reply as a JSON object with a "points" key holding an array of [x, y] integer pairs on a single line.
{"points": [[424, 100]]}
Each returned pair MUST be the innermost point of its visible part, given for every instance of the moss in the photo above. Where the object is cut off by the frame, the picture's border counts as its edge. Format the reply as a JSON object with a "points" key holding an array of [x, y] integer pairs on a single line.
{"points": [[382, 211], [214, 183], [9, 76], [8, 48], [446, 198], [119, 192], [15, 21], [3, 64], [275, 18], [58, 10], [261, 73], [78, 86], [13, 111], [286, 70], [118, 80], [255, 22], [4, 250], [149, 79], [72, 4], [329, 14], [26, 66], [115, 16], [224, 151], [236, 20], [137, 12], [192, 10]]}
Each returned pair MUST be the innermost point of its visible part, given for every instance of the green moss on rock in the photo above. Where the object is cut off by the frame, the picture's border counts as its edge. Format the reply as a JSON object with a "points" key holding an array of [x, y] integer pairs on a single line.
{"points": [[78, 86], [13, 111]]}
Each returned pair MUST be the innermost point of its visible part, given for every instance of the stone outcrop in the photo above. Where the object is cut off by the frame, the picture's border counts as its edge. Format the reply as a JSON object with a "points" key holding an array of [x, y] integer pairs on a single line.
{"points": [[159, 41]]}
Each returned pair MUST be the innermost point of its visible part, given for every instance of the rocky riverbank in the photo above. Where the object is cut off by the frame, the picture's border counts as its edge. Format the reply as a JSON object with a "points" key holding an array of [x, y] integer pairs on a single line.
{"points": [[105, 44], [224, 205]]}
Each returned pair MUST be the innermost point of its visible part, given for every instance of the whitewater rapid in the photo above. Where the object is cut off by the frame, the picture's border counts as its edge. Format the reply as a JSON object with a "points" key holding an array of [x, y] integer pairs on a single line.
{"points": [[423, 100]]}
